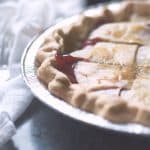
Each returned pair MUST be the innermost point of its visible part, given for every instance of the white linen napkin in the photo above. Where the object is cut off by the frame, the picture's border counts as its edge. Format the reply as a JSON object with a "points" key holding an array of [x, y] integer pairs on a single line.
{"points": [[20, 21]]}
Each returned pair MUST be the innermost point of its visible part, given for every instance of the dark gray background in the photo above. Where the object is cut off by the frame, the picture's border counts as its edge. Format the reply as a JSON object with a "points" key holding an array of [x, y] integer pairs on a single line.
{"points": [[41, 128]]}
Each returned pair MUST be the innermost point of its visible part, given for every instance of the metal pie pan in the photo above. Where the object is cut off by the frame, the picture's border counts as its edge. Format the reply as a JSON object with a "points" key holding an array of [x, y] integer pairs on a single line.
{"points": [[38, 89]]}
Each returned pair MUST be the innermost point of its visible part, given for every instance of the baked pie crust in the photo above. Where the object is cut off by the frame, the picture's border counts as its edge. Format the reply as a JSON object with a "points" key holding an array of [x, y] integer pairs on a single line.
{"points": [[100, 62]]}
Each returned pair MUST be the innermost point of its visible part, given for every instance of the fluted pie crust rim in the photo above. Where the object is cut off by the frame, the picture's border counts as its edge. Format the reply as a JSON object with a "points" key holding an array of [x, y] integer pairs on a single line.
{"points": [[113, 108]]}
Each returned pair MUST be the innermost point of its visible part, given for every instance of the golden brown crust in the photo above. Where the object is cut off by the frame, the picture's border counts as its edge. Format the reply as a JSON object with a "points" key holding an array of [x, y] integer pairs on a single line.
{"points": [[117, 89], [132, 11]]}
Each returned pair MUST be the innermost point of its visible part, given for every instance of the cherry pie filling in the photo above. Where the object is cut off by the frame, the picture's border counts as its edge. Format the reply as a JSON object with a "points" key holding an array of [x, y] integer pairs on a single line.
{"points": [[66, 63]]}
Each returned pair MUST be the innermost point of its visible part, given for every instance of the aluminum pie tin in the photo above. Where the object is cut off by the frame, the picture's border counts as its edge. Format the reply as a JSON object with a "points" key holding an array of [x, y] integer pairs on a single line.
{"points": [[29, 69]]}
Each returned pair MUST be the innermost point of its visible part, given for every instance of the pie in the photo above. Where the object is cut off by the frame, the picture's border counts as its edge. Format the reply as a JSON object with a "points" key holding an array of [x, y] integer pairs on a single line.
{"points": [[100, 62]]}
